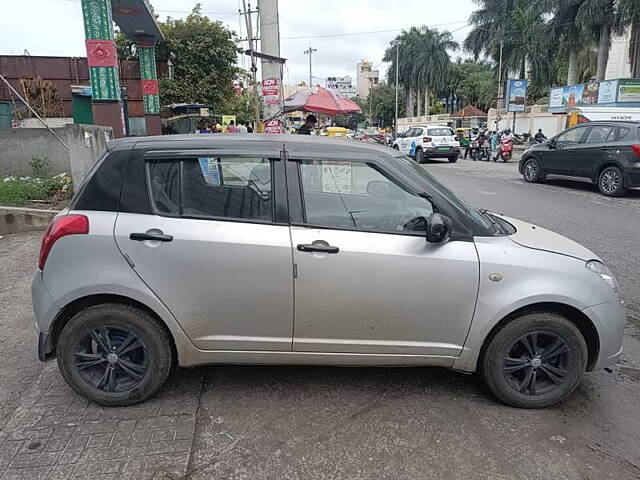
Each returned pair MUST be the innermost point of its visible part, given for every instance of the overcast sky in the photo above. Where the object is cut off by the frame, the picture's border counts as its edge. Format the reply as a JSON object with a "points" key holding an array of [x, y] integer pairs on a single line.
{"points": [[54, 27]]}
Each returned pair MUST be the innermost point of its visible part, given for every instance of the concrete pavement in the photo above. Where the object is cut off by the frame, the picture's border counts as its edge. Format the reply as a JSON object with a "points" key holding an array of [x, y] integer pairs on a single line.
{"points": [[248, 422]]}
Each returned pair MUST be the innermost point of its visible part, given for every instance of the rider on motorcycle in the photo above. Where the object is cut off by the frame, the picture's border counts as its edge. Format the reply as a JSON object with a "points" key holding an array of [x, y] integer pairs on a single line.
{"points": [[539, 137]]}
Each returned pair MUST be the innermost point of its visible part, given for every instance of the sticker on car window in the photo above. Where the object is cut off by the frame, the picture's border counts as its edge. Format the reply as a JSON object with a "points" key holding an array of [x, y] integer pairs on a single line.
{"points": [[210, 167], [336, 177]]}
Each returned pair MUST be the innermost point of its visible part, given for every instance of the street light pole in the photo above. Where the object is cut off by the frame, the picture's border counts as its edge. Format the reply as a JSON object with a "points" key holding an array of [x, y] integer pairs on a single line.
{"points": [[397, 60], [499, 85], [310, 51]]}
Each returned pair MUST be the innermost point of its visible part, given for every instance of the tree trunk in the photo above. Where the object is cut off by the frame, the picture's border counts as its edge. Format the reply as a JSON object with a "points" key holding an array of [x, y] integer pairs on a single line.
{"points": [[604, 44], [426, 101], [572, 76], [634, 50], [418, 104], [410, 110]]}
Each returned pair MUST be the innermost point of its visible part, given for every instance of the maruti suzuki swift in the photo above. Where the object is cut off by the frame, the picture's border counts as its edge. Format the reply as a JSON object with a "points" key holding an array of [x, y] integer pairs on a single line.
{"points": [[252, 249]]}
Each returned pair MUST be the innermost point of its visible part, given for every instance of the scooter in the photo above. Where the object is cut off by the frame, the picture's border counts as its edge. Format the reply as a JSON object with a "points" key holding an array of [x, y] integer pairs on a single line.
{"points": [[485, 151], [474, 150], [506, 150]]}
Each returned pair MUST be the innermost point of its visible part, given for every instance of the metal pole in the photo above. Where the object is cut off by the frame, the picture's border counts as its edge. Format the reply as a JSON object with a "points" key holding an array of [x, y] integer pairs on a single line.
{"points": [[310, 52], [254, 68], [15, 92], [397, 60], [499, 85]]}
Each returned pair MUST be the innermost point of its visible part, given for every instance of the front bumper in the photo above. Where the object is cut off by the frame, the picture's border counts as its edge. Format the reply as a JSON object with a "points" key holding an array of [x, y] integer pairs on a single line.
{"points": [[609, 319]]}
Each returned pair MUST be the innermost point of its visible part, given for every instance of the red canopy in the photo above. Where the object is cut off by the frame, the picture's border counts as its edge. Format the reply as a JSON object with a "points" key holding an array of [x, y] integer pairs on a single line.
{"points": [[320, 100]]}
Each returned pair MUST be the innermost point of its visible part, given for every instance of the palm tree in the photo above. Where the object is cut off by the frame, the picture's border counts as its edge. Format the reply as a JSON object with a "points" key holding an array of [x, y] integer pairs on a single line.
{"points": [[423, 63], [628, 16], [597, 16]]}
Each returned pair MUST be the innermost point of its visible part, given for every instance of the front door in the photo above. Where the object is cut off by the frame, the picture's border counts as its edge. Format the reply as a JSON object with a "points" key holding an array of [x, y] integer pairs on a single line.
{"points": [[562, 157], [367, 280], [212, 252]]}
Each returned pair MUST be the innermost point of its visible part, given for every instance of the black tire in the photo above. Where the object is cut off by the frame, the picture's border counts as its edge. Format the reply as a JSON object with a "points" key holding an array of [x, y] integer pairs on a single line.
{"points": [[524, 382], [453, 159], [531, 171], [142, 349], [611, 182], [396, 147], [419, 155]]}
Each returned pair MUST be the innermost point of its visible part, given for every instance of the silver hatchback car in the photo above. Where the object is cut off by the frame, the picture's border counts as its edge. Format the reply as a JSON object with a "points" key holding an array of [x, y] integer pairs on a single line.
{"points": [[260, 249]]}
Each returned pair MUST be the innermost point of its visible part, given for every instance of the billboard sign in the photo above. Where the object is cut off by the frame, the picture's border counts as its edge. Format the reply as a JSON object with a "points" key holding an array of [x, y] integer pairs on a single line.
{"points": [[608, 90], [516, 95], [629, 91]]}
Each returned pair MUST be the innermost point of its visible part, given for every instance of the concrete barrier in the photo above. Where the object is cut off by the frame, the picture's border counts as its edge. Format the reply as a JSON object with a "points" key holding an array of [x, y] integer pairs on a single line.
{"points": [[20, 220]]}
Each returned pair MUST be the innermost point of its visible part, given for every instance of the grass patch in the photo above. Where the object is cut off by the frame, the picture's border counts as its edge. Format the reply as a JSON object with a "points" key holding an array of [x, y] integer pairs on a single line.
{"points": [[17, 192]]}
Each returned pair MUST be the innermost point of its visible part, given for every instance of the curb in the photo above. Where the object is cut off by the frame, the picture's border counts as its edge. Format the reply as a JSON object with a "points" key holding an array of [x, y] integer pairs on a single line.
{"points": [[20, 220]]}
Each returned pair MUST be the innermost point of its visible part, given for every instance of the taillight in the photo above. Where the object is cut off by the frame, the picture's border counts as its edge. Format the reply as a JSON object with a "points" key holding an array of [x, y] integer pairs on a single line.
{"points": [[61, 227], [426, 139], [636, 149]]}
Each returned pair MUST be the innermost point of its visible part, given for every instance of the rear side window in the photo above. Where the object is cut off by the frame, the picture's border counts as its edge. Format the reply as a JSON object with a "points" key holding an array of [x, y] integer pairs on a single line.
{"points": [[623, 132], [440, 132], [600, 134], [102, 190], [212, 187]]}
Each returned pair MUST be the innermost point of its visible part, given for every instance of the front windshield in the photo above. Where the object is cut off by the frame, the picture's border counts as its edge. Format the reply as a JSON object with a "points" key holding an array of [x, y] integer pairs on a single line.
{"points": [[478, 215]]}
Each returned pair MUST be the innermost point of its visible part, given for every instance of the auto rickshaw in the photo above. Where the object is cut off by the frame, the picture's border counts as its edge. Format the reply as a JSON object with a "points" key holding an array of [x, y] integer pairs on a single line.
{"points": [[336, 132]]}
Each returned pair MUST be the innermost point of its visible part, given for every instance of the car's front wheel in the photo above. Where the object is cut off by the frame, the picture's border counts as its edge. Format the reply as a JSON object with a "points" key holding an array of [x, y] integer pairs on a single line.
{"points": [[114, 354], [535, 360], [611, 182], [531, 171]]}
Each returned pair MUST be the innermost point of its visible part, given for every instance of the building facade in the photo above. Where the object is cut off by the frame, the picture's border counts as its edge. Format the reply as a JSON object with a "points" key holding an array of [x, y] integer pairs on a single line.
{"points": [[366, 78], [619, 65], [342, 85]]}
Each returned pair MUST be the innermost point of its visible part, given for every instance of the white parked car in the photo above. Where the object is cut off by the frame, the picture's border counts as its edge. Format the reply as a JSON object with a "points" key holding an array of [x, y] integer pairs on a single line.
{"points": [[430, 141]]}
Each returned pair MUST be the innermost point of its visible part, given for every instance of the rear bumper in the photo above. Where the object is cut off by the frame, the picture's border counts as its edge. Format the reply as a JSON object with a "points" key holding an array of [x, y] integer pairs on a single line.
{"points": [[433, 153], [44, 346], [45, 311]]}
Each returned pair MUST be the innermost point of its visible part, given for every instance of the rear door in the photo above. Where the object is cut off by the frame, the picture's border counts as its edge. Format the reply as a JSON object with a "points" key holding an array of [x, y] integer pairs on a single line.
{"points": [[596, 150], [213, 246], [563, 157]]}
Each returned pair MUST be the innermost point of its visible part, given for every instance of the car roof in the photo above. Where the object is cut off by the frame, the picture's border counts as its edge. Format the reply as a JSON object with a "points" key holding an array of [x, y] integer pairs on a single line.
{"points": [[251, 141]]}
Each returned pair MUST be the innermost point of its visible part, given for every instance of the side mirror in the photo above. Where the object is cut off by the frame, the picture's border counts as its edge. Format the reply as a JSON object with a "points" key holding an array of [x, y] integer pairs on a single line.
{"points": [[378, 188], [552, 144], [439, 228]]}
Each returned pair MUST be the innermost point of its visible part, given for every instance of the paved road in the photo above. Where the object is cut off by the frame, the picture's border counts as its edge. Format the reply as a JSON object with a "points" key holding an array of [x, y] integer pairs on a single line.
{"points": [[299, 422]]}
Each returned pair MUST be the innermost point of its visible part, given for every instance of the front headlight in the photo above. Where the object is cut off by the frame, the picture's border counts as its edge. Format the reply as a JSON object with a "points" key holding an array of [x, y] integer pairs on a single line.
{"points": [[603, 272]]}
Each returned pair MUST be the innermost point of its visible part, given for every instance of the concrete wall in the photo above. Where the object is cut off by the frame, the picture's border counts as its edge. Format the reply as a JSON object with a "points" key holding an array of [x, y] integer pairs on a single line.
{"points": [[537, 117], [86, 144], [51, 122]]}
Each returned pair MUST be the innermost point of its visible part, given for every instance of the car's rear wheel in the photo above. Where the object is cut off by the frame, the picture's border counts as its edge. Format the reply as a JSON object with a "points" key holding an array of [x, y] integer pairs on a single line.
{"points": [[114, 354], [531, 171], [534, 361], [419, 155], [396, 147], [611, 182], [453, 159]]}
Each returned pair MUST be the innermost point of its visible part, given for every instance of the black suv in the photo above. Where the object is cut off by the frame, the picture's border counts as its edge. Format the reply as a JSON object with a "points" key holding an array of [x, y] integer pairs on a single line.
{"points": [[606, 152]]}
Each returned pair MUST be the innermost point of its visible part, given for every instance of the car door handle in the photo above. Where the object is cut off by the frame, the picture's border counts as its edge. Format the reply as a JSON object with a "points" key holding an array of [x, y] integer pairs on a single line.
{"points": [[158, 237], [317, 247], [604, 149]]}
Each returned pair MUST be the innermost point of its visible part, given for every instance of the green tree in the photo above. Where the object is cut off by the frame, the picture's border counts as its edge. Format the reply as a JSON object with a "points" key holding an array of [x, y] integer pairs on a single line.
{"points": [[382, 104], [473, 83], [204, 55], [597, 16]]}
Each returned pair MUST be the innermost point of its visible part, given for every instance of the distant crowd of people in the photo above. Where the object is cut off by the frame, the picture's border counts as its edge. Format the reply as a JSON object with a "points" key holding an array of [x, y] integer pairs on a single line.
{"points": [[241, 127]]}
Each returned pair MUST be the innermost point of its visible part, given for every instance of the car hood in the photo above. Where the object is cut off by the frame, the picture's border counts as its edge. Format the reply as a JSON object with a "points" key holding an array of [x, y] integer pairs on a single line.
{"points": [[538, 238]]}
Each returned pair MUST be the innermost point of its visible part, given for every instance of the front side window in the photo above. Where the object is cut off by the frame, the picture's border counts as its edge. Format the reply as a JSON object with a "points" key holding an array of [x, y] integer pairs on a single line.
{"points": [[218, 187], [600, 134], [571, 136], [356, 195]]}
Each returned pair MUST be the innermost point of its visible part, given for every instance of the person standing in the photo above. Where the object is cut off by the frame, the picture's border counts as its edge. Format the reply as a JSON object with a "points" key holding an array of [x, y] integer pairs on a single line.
{"points": [[242, 128], [232, 128], [309, 123], [249, 128]]}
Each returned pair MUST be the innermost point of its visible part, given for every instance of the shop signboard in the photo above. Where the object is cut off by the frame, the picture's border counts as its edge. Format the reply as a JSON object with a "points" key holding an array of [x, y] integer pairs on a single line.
{"points": [[607, 92], [270, 91], [273, 127]]}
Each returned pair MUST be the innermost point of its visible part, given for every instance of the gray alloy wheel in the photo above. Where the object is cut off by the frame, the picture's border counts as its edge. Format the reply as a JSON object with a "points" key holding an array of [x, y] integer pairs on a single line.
{"points": [[611, 182], [531, 171]]}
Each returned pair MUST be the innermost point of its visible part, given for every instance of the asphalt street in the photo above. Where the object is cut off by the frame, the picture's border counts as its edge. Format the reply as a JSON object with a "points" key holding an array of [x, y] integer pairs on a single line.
{"points": [[256, 422]]}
